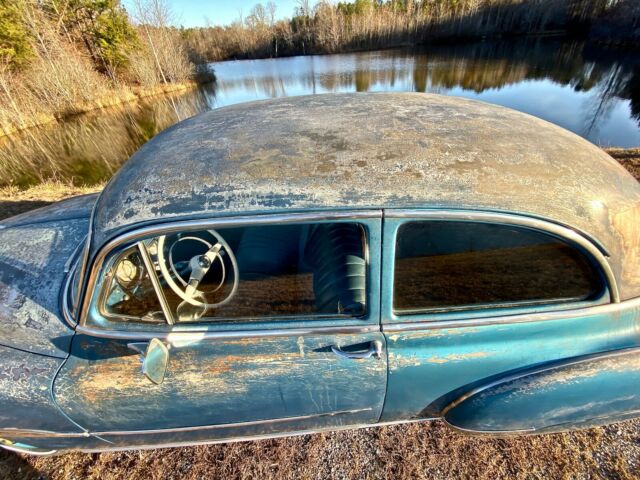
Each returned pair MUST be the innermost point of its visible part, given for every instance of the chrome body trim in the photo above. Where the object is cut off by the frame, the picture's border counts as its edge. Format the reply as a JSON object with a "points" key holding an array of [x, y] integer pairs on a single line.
{"points": [[534, 371], [37, 453], [176, 226], [179, 337], [32, 433], [427, 324], [270, 421], [251, 438], [492, 433], [555, 229]]}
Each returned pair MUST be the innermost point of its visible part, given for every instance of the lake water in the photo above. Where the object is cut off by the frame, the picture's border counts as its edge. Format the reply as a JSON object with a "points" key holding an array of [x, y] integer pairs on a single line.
{"points": [[592, 92]]}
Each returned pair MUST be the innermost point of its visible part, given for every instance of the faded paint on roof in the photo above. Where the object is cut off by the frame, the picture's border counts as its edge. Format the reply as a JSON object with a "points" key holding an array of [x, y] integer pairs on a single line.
{"points": [[382, 150]]}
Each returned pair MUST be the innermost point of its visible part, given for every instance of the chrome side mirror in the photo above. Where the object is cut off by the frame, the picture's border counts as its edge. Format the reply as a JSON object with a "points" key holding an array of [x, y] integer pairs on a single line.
{"points": [[156, 359]]}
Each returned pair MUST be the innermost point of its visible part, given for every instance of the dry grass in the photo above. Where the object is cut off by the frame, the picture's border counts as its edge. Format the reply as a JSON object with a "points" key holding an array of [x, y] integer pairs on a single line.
{"points": [[14, 200], [61, 80], [629, 158], [425, 450]]}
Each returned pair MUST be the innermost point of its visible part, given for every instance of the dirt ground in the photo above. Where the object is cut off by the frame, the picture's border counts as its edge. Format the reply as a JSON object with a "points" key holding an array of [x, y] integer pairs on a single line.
{"points": [[424, 450]]}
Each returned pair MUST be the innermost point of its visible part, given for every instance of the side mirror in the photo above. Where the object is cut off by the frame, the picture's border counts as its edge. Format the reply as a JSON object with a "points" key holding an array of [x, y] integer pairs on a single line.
{"points": [[156, 359]]}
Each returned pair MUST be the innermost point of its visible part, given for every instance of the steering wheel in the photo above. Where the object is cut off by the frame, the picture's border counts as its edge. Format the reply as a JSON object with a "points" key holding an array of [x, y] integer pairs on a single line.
{"points": [[198, 265]]}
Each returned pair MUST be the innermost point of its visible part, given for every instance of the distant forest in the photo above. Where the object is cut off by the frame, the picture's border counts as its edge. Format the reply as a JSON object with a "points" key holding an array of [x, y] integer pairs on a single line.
{"points": [[329, 27]]}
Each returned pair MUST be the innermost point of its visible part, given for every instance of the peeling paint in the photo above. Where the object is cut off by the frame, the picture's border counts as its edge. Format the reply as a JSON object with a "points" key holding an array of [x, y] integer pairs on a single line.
{"points": [[32, 260], [24, 392], [214, 382]]}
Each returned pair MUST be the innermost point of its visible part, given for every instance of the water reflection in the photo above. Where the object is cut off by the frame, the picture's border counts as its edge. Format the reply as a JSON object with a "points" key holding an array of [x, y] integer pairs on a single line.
{"points": [[593, 92], [91, 147]]}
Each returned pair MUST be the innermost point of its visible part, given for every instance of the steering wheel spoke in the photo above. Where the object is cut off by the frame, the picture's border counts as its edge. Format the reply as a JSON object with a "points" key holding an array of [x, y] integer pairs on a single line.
{"points": [[198, 267]]}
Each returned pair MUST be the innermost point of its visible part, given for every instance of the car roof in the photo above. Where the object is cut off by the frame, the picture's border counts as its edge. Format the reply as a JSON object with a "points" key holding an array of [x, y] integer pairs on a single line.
{"points": [[370, 150]]}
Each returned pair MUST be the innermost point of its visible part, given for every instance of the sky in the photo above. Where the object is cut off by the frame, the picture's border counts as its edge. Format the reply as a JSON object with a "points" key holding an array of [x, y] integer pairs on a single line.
{"points": [[192, 13]]}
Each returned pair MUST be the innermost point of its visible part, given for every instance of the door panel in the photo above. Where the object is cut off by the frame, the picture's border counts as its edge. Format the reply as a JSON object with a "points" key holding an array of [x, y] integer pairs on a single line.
{"points": [[217, 382], [236, 385], [443, 357]]}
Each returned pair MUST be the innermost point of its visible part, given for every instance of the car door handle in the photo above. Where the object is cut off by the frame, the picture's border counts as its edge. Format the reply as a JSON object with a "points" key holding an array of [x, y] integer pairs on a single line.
{"points": [[374, 350]]}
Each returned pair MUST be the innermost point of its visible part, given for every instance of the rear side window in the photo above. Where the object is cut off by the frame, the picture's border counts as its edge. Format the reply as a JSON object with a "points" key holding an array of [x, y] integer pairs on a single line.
{"points": [[443, 265]]}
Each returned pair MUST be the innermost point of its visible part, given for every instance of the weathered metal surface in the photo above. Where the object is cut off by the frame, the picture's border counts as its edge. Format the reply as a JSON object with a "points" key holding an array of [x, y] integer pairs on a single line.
{"points": [[32, 261], [25, 395], [588, 392], [217, 382], [430, 368], [372, 151]]}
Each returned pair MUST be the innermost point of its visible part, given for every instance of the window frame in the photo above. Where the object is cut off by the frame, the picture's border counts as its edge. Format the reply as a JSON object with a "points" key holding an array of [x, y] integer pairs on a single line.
{"points": [[457, 315], [92, 321]]}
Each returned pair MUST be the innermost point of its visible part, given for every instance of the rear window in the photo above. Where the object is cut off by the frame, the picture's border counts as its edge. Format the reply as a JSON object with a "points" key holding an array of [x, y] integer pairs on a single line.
{"points": [[442, 265]]}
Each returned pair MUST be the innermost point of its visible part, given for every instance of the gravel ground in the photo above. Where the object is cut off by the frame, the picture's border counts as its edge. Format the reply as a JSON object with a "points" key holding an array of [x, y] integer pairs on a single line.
{"points": [[423, 450]]}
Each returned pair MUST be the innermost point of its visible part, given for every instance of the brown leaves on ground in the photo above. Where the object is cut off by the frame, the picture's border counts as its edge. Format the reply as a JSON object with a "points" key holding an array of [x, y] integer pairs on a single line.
{"points": [[421, 450], [629, 158]]}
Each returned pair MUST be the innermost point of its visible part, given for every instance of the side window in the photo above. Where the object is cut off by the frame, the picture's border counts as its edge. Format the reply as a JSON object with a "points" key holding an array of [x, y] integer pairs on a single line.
{"points": [[448, 265], [238, 273]]}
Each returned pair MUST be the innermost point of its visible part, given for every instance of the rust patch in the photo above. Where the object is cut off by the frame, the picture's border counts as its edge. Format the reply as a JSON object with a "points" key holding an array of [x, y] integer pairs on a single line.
{"points": [[397, 361], [626, 222]]}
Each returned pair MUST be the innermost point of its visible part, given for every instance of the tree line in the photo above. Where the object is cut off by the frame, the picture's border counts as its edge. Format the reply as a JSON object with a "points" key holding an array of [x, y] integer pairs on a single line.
{"points": [[329, 27]]}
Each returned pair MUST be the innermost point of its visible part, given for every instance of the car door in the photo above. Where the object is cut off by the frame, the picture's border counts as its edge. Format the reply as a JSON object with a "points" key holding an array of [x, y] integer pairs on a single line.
{"points": [[298, 347], [503, 323]]}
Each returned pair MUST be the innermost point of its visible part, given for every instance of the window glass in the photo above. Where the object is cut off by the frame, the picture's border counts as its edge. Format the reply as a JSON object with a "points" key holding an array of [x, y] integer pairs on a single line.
{"points": [[443, 265], [240, 273]]}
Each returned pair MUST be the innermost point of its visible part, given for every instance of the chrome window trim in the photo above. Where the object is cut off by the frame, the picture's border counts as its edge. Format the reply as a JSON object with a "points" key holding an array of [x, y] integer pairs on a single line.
{"points": [[428, 324], [473, 214], [565, 233], [65, 296], [175, 226], [84, 262], [155, 282], [212, 320], [73, 258], [180, 337]]}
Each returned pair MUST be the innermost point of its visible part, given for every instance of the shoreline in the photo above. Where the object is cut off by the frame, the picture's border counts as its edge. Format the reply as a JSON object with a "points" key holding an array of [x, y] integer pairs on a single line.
{"points": [[119, 97], [14, 200]]}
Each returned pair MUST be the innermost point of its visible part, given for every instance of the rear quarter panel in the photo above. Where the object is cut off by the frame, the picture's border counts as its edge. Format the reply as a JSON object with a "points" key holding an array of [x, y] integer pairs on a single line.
{"points": [[585, 391], [431, 368]]}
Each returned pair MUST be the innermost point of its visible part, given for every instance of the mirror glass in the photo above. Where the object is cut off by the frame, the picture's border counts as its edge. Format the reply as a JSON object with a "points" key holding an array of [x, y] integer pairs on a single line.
{"points": [[155, 361]]}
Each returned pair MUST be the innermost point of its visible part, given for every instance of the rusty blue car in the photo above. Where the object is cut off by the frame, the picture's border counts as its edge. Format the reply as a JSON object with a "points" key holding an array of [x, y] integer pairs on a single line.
{"points": [[326, 262]]}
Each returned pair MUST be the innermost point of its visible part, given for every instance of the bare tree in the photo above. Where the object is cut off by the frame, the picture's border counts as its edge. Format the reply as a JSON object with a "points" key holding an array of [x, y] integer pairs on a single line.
{"points": [[155, 18], [271, 10]]}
